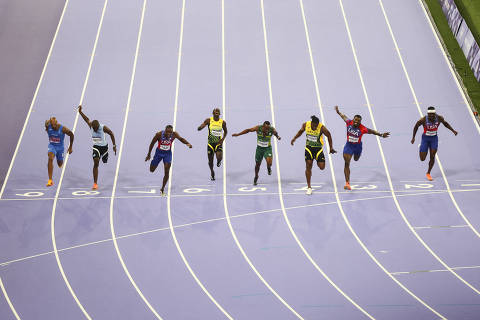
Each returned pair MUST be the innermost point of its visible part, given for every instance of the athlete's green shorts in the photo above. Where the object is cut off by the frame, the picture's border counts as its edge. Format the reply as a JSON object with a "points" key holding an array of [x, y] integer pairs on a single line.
{"points": [[263, 152]]}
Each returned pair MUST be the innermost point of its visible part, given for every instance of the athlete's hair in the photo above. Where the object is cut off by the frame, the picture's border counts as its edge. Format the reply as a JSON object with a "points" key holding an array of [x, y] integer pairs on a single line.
{"points": [[358, 116], [169, 127], [315, 119], [95, 123], [431, 109], [215, 109], [267, 123]]}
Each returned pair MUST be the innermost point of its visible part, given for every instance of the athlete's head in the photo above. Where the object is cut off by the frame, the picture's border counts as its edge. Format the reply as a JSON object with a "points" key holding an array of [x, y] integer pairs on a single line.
{"points": [[315, 122], [266, 126], [54, 123], [168, 130], [431, 112], [216, 113], [357, 120], [95, 125]]}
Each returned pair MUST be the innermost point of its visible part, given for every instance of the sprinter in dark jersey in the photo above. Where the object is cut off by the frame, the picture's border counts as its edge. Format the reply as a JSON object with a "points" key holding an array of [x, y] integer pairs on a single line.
{"points": [[56, 134], [164, 151], [264, 146], [353, 146], [430, 124]]}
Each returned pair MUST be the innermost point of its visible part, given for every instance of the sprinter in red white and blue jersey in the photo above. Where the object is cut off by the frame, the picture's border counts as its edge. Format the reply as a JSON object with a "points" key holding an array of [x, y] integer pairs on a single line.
{"points": [[353, 146], [430, 124], [164, 151]]}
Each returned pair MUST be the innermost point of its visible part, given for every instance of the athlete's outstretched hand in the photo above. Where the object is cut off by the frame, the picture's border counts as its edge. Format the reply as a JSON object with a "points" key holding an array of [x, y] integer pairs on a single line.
{"points": [[413, 140], [332, 151], [80, 108], [148, 157], [385, 134], [70, 150], [292, 142], [189, 145], [115, 149], [279, 138], [455, 132], [235, 135]]}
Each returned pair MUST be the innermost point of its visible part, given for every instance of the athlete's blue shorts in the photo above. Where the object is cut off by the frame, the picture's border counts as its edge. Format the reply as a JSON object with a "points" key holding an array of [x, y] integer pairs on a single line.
{"points": [[160, 155], [57, 151], [428, 142], [353, 148]]}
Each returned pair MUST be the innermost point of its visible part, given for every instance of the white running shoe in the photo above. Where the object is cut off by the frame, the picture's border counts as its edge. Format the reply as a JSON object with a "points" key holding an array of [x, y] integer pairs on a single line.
{"points": [[309, 191]]}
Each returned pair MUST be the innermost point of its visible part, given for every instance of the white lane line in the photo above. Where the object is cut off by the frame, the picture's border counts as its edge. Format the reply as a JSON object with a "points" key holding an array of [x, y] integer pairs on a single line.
{"points": [[347, 27], [434, 270], [277, 164], [441, 227], [169, 210], [435, 32], [470, 185], [235, 216], [387, 171], [406, 193], [34, 99], [225, 204], [55, 200], [412, 90], [10, 304], [122, 140]]}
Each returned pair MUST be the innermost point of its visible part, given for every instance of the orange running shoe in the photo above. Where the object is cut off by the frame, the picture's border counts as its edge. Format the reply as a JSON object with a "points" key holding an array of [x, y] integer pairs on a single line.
{"points": [[95, 186], [49, 183], [429, 177], [347, 186]]}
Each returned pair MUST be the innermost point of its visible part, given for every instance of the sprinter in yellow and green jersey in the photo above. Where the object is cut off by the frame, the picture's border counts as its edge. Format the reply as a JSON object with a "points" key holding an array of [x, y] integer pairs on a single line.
{"points": [[264, 146], [314, 146], [215, 138]]}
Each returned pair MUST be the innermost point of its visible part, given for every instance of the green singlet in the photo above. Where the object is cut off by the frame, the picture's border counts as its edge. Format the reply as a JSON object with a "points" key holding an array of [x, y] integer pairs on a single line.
{"points": [[264, 144]]}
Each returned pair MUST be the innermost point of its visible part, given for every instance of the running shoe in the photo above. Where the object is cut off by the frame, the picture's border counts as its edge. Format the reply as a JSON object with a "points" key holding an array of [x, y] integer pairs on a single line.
{"points": [[347, 186], [269, 169], [49, 183], [219, 163], [309, 191], [95, 186], [429, 177], [255, 181]]}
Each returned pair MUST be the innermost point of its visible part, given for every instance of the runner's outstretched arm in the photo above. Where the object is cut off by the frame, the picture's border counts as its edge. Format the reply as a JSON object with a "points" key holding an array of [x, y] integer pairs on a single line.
{"points": [[329, 137], [71, 135], [447, 125], [344, 117], [415, 128], [275, 133], [155, 139], [383, 135], [225, 132], [182, 140], [85, 118], [112, 136], [245, 131], [204, 124]]}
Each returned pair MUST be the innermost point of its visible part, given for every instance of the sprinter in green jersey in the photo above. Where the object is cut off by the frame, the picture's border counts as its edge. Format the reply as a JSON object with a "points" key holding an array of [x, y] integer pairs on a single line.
{"points": [[264, 146], [215, 139]]}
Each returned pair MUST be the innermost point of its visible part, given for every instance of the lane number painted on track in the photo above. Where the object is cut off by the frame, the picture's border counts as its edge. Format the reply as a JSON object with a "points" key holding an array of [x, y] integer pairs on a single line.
{"points": [[367, 187], [30, 194], [251, 189], [85, 193], [195, 190], [419, 186]]}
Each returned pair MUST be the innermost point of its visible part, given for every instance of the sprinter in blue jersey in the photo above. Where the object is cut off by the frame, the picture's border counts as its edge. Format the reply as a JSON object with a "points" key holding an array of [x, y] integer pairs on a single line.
{"points": [[56, 134], [100, 145]]}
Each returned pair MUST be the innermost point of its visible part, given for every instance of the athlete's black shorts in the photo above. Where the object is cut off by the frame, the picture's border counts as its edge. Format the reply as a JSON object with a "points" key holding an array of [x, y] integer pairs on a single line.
{"points": [[314, 153], [214, 148], [100, 152]]}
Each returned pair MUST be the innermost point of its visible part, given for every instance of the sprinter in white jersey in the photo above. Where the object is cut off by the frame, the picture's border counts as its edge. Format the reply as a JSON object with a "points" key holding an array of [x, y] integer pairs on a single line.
{"points": [[100, 145]]}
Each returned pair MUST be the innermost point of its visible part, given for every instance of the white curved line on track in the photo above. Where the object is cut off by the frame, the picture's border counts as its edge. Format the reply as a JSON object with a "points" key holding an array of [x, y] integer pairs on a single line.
{"points": [[10, 304], [55, 200], [225, 204], [447, 61], [387, 171], [112, 225], [277, 164], [412, 90], [170, 222], [34, 99], [339, 202]]}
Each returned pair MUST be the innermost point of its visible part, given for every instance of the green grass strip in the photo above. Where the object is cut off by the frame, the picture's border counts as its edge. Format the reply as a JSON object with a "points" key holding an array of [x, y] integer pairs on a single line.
{"points": [[461, 65], [470, 11]]}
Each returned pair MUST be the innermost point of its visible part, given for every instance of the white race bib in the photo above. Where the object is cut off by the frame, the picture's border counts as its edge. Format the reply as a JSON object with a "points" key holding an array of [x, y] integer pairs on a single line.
{"points": [[96, 139], [431, 133], [165, 147], [353, 139], [216, 133], [263, 144], [312, 138]]}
